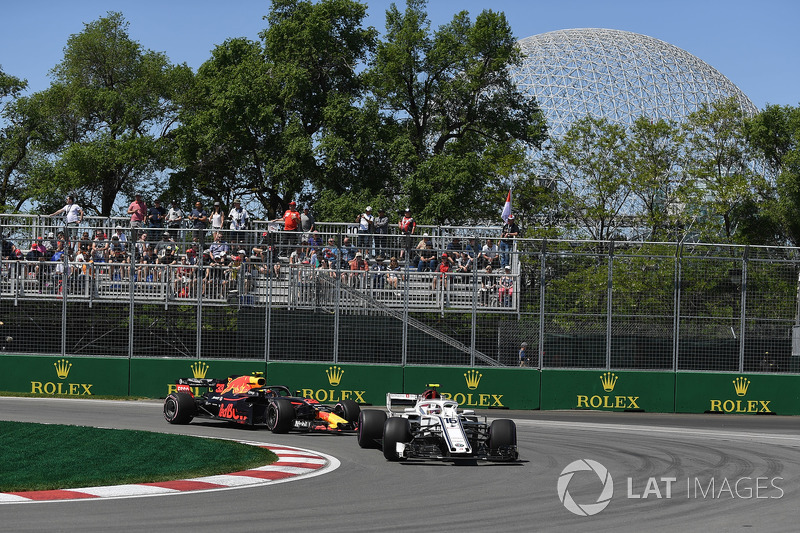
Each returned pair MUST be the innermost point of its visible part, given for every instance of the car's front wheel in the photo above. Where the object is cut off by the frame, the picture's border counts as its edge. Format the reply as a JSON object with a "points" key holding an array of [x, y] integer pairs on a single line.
{"points": [[280, 416], [347, 409], [370, 427], [179, 408], [502, 433], [395, 430]]}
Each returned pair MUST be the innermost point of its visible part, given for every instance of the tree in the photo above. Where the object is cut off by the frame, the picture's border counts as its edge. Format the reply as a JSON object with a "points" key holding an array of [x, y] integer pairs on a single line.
{"points": [[654, 155], [588, 165], [719, 159], [280, 122], [463, 127], [15, 141], [107, 115], [775, 135]]}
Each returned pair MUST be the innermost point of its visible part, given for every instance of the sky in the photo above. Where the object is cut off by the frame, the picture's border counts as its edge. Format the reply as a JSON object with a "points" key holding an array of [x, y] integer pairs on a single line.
{"points": [[755, 44]]}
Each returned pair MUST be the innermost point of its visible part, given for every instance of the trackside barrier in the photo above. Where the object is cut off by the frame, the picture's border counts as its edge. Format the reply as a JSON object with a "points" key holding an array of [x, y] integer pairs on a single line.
{"points": [[71, 376], [737, 393], [608, 390], [155, 378], [479, 388], [330, 383]]}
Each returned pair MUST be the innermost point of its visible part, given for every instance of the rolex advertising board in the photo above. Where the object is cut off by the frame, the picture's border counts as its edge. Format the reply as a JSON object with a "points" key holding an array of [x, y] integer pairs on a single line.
{"points": [[479, 387], [70, 376], [155, 378], [749, 394], [331, 383], [608, 390]]}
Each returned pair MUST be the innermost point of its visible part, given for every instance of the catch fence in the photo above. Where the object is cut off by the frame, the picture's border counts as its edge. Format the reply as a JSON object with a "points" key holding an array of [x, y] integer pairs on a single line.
{"points": [[577, 304]]}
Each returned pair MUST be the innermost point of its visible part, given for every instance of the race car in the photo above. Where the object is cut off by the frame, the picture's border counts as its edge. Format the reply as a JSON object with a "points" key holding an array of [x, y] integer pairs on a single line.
{"points": [[432, 427], [248, 400]]}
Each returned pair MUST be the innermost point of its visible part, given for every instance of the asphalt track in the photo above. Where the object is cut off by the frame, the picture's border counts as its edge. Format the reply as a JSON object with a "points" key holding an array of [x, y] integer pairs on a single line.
{"points": [[754, 463]]}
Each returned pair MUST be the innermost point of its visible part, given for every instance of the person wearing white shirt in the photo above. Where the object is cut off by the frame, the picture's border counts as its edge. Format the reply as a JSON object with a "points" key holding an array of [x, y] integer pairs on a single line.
{"points": [[73, 215]]}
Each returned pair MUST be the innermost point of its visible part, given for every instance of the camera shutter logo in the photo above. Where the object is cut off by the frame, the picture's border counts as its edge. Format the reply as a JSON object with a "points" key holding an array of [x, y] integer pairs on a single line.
{"points": [[603, 500]]}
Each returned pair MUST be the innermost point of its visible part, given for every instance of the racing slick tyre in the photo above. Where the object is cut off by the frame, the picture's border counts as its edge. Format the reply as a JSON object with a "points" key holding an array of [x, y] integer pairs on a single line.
{"points": [[347, 409], [370, 427], [179, 408], [502, 432], [280, 415], [395, 430]]}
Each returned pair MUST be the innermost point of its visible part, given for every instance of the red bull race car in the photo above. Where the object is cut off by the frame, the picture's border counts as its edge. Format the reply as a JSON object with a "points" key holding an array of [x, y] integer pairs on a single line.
{"points": [[248, 400], [428, 426]]}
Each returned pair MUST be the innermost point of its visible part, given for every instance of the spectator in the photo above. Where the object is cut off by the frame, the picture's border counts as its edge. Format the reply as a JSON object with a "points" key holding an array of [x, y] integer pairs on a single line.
{"points": [[9, 250], [307, 222], [291, 224], [463, 264], [120, 234], [73, 215], [427, 259], [50, 245], [168, 257], [524, 359], [270, 266], [381, 229], [191, 254], [455, 245], [407, 225], [488, 288], [184, 279], [174, 220], [166, 240], [85, 240], [217, 218], [100, 248], [357, 266], [218, 247], [443, 269], [506, 287], [393, 274], [365, 223], [138, 211], [489, 254], [155, 218], [330, 253], [347, 251], [509, 232], [140, 246], [240, 221], [199, 219], [424, 242], [378, 273]]}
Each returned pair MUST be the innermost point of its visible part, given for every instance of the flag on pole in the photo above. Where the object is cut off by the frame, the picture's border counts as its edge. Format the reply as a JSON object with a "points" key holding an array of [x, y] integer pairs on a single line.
{"points": [[507, 208]]}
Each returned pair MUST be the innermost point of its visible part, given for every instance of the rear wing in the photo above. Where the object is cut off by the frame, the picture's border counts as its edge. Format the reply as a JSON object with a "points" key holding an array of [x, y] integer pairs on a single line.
{"points": [[397, 403], [200, 382]]}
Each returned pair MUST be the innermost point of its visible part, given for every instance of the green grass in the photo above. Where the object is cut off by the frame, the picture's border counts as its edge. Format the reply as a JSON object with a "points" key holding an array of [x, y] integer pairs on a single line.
{"points": [[46, 457]]}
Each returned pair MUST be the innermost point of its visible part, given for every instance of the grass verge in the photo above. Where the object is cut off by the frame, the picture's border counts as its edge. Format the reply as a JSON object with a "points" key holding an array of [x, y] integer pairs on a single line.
{"points": [[47, 457]]}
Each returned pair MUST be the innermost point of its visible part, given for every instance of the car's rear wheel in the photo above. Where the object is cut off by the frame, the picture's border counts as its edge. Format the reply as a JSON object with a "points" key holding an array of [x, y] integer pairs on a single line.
{"points": [[280, 415], [395, 430], [502, 433], [347, 409], [370, 427], [179, 408]]}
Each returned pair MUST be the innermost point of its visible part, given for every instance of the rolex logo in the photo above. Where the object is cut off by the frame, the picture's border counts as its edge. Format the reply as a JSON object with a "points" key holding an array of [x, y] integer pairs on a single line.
{"points": [[740, 385], [609, 380], [62, 368], [334, 375], [199, 369], [473, 378]]}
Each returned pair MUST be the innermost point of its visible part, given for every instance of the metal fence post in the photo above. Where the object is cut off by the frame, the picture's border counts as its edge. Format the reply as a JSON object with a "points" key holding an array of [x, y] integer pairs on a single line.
{"points": [[542, 267], [743, 308], [337, 308], [676, 312], [609, 295]]}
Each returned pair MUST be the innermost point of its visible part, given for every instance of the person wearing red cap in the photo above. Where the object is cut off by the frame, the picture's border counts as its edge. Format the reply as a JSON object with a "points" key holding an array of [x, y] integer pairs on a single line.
{"points": [[291, 223]]}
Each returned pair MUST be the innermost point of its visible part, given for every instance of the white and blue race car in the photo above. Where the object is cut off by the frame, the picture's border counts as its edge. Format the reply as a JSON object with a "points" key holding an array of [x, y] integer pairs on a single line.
{"points": [[429, 426]]}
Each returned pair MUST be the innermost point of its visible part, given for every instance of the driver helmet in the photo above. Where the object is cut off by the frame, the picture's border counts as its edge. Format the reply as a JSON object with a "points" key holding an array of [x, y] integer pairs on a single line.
{"points": [[431, 394]]}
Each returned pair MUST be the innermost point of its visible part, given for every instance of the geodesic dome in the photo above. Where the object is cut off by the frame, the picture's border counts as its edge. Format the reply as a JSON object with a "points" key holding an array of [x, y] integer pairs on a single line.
{"points": [[618, 75]]}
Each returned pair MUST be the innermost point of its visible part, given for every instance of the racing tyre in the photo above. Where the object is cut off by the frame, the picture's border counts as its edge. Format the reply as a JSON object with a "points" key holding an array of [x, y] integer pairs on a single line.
{"points": [[502, 432], [280, 415], [347, 409], [370, 427], [179, 408], [395, 430]]}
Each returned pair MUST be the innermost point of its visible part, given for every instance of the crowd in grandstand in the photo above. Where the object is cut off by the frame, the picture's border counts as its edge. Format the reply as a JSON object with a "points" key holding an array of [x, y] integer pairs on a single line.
{"points": [[219, 253]]}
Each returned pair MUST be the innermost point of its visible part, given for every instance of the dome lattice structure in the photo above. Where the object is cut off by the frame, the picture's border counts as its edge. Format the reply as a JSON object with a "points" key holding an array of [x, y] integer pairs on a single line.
{"points": [[617, 75]]}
